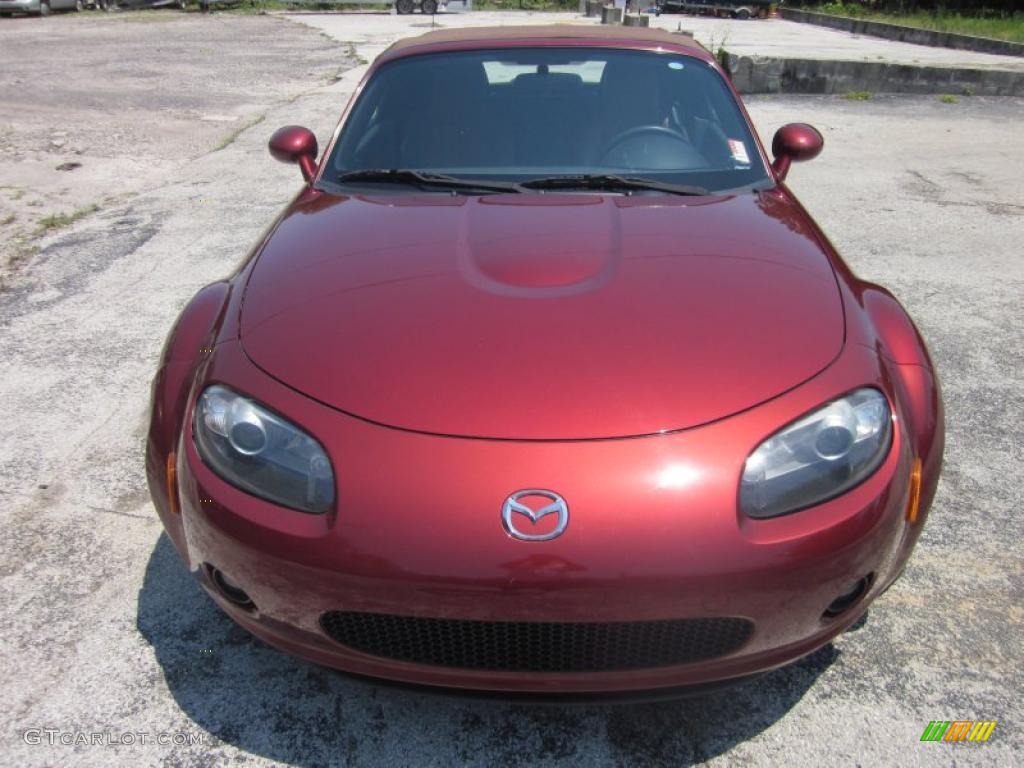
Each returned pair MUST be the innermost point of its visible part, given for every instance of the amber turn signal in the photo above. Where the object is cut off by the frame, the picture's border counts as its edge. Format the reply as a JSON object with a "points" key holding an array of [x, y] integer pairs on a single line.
{"points": [[172, 484], [915, 492]]}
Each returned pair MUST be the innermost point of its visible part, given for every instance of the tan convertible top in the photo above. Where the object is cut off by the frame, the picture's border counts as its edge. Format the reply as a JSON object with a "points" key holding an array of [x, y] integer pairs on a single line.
{"points": [[625, 36]]}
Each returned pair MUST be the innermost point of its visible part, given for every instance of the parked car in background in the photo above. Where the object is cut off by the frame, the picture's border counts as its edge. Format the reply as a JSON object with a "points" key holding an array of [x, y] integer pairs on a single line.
{"points": [[428, 7], [38, 7], [737, 9]]}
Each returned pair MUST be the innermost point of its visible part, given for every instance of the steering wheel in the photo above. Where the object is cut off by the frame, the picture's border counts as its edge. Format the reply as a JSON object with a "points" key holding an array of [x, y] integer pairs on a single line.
{"points": [[631, 134]]}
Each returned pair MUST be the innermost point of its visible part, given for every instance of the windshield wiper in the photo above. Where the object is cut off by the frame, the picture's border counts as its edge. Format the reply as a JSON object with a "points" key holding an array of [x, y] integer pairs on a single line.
{"points": [[424, 179], [609, 181]]}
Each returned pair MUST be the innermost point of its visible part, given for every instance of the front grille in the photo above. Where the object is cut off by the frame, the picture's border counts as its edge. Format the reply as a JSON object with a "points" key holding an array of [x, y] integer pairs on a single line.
{"points": [[537, 646]]}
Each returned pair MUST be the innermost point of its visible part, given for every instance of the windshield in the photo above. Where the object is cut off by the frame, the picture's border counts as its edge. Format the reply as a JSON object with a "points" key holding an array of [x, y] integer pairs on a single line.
{"points": [[522, 114]]}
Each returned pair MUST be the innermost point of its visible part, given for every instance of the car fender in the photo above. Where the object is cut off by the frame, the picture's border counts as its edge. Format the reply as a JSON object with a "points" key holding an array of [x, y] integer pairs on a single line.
{"points": [[886, 327], [189, 342], [898, 337]]}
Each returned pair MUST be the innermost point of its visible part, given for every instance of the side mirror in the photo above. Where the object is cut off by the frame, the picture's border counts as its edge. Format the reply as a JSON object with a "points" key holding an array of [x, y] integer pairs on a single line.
{"points": [[795, 143], [295, 144]]}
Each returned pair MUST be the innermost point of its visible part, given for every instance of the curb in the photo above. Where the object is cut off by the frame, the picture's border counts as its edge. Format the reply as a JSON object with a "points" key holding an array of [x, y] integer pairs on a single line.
{"points": [[759, 74], [903, 34]]}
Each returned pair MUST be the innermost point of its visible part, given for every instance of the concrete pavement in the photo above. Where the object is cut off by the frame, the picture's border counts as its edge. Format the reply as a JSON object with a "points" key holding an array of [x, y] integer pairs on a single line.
{"points": [[755, 37], [791, 40], [765, 56], [102, 631]]}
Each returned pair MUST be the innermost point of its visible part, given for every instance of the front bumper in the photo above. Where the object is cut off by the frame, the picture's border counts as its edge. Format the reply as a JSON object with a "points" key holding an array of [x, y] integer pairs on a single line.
{"points": [[654, 534]]}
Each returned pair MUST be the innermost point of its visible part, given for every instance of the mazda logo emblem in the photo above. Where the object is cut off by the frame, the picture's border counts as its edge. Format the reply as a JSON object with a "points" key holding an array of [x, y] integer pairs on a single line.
{"points": [[513, 506]]}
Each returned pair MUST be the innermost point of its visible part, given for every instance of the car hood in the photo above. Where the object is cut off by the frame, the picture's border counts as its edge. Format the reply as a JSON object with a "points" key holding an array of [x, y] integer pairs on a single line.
{"points": [[542, 317]]}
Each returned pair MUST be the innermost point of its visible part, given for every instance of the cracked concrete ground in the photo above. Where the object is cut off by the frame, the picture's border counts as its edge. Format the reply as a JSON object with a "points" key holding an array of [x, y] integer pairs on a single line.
{"points": [[97, 107], [102, 630]]}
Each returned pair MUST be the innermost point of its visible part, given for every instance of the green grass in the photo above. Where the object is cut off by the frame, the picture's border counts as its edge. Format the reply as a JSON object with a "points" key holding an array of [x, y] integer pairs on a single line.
{"points": [[948, 98], [259, 6], [858, 95], [228, 140], [19, 250], [250, 7], [61, 220], [526, 5], [1009, 27], [352, 55], [19, 245], [141, 15]]}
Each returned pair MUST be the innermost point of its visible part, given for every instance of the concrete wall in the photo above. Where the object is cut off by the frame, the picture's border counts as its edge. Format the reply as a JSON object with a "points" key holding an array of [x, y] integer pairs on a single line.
{"points": [[776, 75], [905, 34]]}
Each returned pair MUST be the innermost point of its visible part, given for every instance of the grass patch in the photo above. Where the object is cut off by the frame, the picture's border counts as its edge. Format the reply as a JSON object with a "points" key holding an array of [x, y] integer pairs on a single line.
{"points": [[717, 44], [335, 77], [250, 7], [354, 56], [230, 138], [526, 5], [143, 15], [264, 6], [948, 98], [858, 95], [61, 220], [20, 250], [1008, 26], [21, 246]]}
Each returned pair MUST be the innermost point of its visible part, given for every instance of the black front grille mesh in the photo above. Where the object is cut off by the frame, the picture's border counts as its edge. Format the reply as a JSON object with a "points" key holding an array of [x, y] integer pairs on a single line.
{"points": [[537, 646]]}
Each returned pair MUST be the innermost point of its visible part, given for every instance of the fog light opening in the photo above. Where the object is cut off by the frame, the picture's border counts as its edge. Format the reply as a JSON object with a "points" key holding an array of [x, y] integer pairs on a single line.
{"points": [[230, 591], [848, 598]]}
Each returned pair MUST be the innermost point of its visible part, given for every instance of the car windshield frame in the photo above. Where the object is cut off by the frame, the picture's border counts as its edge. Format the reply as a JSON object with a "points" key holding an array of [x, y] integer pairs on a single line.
{"points": [[581, 66]]}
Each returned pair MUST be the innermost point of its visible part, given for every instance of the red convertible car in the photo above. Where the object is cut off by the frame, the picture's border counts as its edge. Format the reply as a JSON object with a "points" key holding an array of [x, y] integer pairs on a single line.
{"points": [[545, 382]]}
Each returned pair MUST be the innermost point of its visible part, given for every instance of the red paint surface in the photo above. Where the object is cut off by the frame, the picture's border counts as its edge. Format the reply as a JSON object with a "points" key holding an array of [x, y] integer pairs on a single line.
{"points": [[535, 319]]}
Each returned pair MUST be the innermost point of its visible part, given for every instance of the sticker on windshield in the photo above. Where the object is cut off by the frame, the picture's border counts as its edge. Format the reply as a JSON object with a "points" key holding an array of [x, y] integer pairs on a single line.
{"points": [[739, 152], [675, 65]]}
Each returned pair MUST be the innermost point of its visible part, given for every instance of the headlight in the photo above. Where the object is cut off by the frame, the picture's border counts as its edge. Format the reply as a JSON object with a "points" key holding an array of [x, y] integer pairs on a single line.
{"points": [[261, 453], [818, 457]]}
